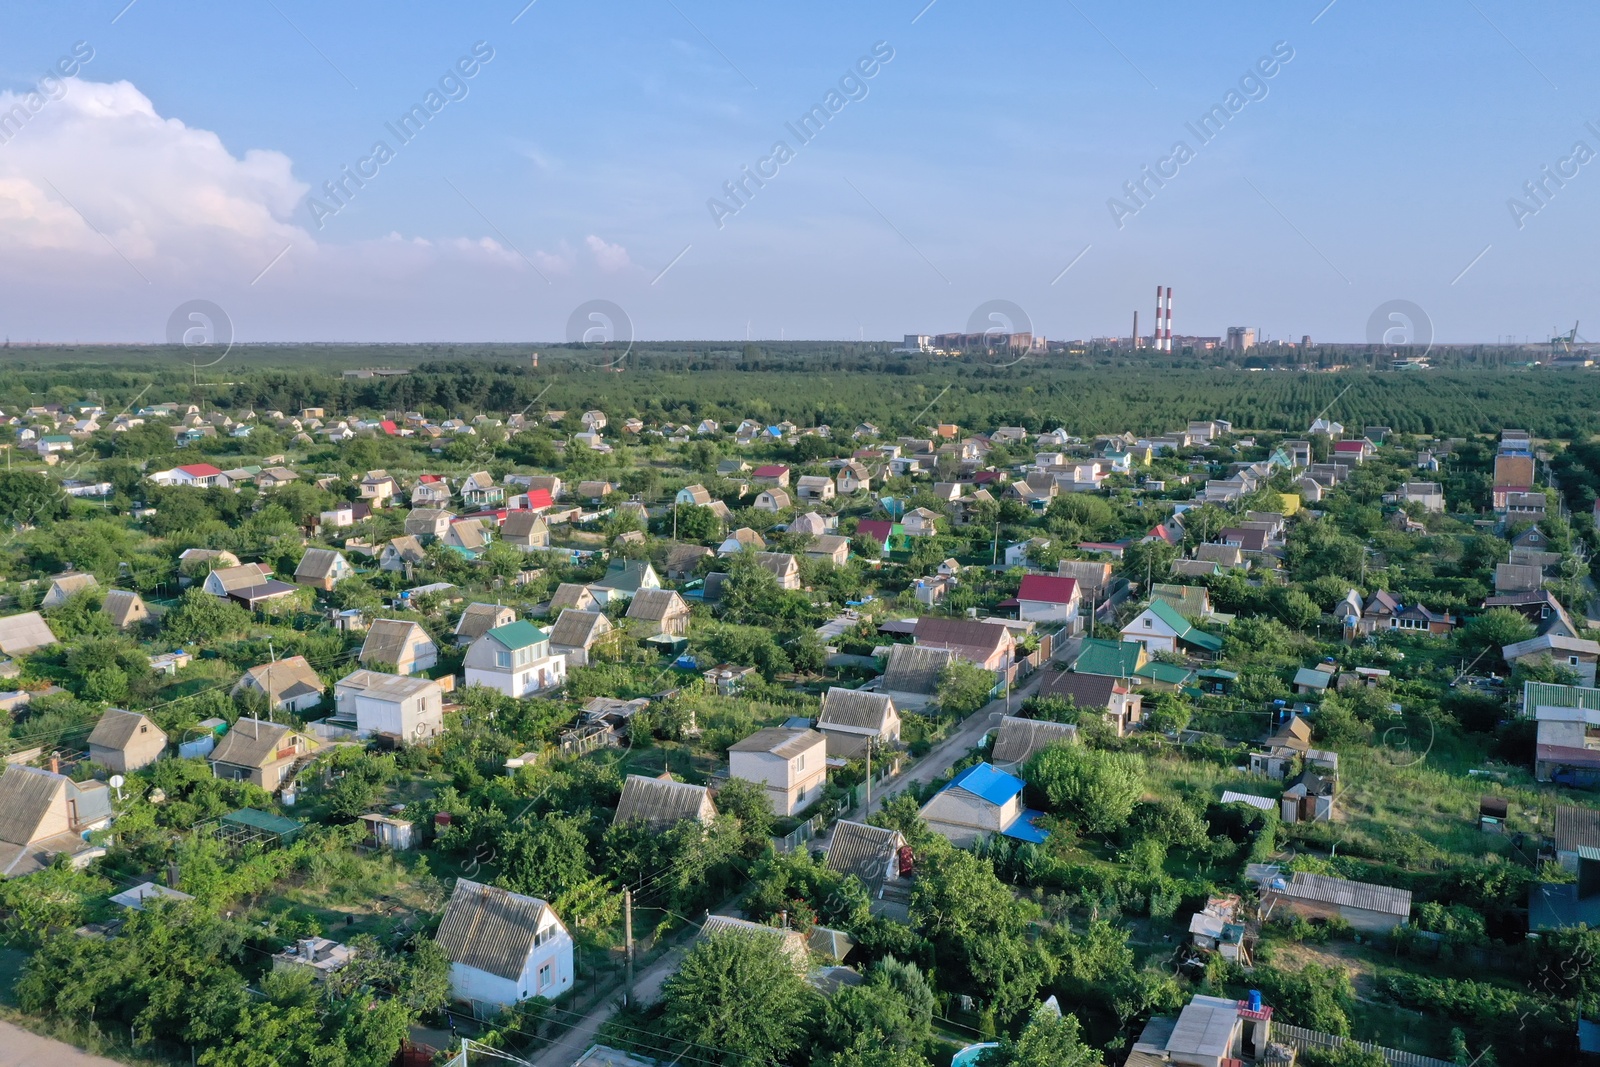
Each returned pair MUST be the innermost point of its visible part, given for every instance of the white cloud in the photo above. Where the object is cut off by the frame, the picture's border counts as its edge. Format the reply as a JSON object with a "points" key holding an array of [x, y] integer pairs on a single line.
{"points": [[609, 257]]}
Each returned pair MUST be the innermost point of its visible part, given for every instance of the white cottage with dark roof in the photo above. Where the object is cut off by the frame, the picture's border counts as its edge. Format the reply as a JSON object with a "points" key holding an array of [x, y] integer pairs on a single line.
{"points": [[504, 947]]}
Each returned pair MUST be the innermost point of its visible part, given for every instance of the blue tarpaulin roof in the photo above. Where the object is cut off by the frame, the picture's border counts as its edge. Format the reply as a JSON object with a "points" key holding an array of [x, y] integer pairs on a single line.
{"points": [[982, 779]]}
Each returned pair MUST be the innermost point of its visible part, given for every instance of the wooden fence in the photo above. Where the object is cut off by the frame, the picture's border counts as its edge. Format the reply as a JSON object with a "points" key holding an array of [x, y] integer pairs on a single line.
{"points": [[1303, 1039]]}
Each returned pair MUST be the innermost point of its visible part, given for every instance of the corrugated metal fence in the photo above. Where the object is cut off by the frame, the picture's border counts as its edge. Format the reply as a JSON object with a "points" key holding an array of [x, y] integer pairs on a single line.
{"points": [[1304, 1039]]}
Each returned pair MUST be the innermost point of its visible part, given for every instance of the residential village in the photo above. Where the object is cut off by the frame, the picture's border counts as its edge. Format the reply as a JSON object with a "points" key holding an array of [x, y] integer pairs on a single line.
{"points": [[537, 729]]}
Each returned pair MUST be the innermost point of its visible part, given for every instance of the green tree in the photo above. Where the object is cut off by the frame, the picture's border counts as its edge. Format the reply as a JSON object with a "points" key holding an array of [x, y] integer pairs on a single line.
{"points": [[200, 616], [964, 688], [1050, 1039], [1494, 629], [740, 998], [1094, 787]]}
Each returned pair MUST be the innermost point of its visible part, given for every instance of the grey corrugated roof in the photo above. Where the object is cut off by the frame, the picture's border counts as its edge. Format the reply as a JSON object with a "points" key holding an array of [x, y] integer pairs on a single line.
{"points": [[521, 526], [317, 563], [915, 669], [387, 640], [1325, 889], [661, 802], [852, 707], [1019, 738], [478, 619], [572, 595], [1576, 827], [489, 928], [281, 677], [26, 794], [656, 605], [250, 743], [121, 604], [117, 727], [786, 744], [579, 629], [864, 851], [24, 633]]}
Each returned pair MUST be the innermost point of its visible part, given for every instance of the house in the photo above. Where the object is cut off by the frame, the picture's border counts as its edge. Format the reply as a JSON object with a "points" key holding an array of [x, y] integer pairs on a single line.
{"points": [[288, 684], [467, 536], [831, 547], [663, 802], [403, 645], [515, 659], [575, 596], [792, 765], [1018, 739], [1383, 612], [44, 815], [63, 586], [682, 562], [1314, 681], [1517, 578], [1110, 659], [378, 488], [258, 752], [986, 645], [1427, 495], [322, 568], [1367, 907], [880, 858], [576, 633], [879, 531], [1540, 607], [623, 579], [124, 741], [1574, 654], [400, 553], [1111, 697], [1567, 745], [981, 801], [1228, 556], [920, 522], [653, 612], [21, 634], [199, 475], [527, 530], [852, 478], [815, 488], [249, 583], [477, 619], [1049, 598], [595, 491], [782, 566], [428, 524], [773, 475], [1160, 628], [125, 608], [503, 947], [912, 672], [431, 491], [850, 720], [1209, 1032], [396, 706], [479, 490], [772, 499], [1190, 601], [739, 540]]}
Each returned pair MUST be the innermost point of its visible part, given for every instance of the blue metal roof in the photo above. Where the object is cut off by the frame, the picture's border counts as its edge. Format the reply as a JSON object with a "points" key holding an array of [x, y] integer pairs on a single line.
{"points": [[982, 779], [1024, 828]]}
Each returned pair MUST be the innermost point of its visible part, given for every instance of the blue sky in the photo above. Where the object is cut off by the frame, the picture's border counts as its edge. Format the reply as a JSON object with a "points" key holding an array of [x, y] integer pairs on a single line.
{"points": [[975, 164]]}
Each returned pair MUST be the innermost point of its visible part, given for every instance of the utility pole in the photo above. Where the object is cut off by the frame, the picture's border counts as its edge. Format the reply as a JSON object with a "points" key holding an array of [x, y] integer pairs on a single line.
{"points": [[627, 939], [868, 809]]}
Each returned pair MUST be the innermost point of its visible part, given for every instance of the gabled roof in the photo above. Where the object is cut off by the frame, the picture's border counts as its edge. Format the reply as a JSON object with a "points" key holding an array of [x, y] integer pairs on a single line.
{"points": [[318, 563], [490, 929], [519, 634], [1018, 739], [864, 851], [655, 605], [988, 784], [1047, 589], [625, 576], [26, 795], [251, 743], [1115, 659], [578, 629], [852, 707], [915, 669], [522, 525], [572, 595], [117, 727], [478, 619], [283, 679], [780, 742], [388, 639], [1168, 614], [1090, 692], [966, 634], [24, 633], [1576, 828], [662, 802], [121, 605]]}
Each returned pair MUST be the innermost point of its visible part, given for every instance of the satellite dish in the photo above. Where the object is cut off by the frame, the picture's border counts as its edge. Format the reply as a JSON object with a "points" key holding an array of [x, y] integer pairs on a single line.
{"points": [[117, 781]]}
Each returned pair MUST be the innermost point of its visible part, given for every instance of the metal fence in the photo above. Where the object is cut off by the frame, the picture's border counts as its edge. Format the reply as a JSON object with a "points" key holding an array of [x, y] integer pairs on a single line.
{"points": [[800, 834], [1303, 1039]]}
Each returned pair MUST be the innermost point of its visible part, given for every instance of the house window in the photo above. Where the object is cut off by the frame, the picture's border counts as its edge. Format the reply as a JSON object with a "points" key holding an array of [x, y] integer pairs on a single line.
{"points": [[502, 659], [800, 762], [544, 977], [1149, 623], [1572, 660]]}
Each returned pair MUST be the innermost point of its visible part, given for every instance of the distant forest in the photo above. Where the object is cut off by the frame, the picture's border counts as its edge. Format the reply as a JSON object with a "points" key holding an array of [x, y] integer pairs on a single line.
{"points": [[812, 384]]}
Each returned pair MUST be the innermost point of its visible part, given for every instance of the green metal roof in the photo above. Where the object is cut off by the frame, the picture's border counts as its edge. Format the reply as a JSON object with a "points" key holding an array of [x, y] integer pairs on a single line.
{"points": [[1188, 634], [519, 634], [1217, 674], [1547, 694], [265, 821], [1166, 673], [1112, 659]]}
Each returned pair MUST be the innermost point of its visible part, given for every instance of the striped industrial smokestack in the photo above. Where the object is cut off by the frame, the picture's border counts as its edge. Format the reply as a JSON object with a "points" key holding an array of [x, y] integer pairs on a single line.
{"points": [[1167, 337]]}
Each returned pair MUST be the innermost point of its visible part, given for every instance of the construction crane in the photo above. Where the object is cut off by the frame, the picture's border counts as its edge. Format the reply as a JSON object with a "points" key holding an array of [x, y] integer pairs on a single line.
{"points": [[1565, 341]]}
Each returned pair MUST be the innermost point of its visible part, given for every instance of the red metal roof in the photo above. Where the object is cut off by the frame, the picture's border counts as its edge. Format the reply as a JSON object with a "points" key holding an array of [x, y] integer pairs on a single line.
{"points": [[389, 427], [200, 470], [1048, 589], [878, 529], [539, 499], [771, 470]]}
